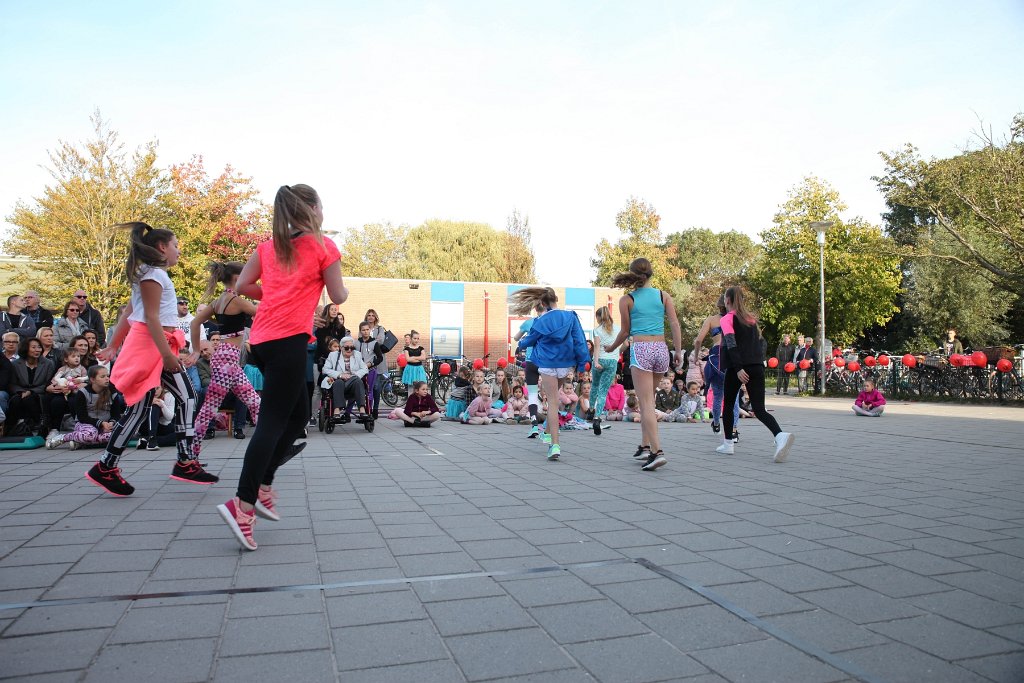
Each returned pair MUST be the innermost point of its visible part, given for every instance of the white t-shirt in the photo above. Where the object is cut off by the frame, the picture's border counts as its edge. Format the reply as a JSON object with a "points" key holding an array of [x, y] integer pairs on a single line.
{"points": [[168, 299], [601, 338]]}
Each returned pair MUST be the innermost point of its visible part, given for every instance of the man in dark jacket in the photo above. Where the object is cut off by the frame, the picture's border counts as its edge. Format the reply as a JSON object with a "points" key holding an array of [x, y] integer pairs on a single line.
{"points": [[15, 320], [785, 353], [43, 317], [808, 352], [92, 318]]}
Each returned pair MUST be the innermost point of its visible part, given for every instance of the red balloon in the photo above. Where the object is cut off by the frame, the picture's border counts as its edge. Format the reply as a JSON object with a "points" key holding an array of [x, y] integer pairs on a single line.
{"points": [[805, 364], [789, 367], [773, 362], [836, 353], [402, 360], [1004, 365], [956, 360], [869, 361], [853, 366], [445, 369], [587, 367], [478, 364], [979, 359], [883, 360], [909, 360], [502, 362], [840, 361]]}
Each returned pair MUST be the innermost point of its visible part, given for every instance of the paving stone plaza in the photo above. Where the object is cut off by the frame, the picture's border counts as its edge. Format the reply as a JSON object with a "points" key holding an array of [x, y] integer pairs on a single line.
{"points": [[888, 549]]}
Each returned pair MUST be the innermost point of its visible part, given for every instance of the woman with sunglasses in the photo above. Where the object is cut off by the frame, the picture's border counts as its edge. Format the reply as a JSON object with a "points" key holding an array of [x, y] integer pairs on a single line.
{"points": [[343, 372], [71, 325]]}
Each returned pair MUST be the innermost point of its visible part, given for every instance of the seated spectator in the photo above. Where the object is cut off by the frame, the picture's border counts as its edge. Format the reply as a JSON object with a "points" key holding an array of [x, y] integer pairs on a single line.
{"points": [[90, 359], [585, 396], [6, 375], [517, 408], [665, 401], [746, 410], [69, 378], [501, 390], [343, 373], [632, 411], [50, 352], [14, 320], [691, 405], [420, 408], [568, 399], [90, 316], [81, 344], [477, 413], [158, 428], [95, 408], [462, 394], [69, 327], [870, 402], [615, 402], [31, 375], [42, 317], [11, 340]]}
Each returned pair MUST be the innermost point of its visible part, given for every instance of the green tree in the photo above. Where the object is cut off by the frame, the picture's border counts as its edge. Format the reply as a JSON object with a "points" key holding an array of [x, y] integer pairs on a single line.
{"points": [[375, 250], [66, 231], [861, 268], [519, 264], [640, 229], [454, 250]]}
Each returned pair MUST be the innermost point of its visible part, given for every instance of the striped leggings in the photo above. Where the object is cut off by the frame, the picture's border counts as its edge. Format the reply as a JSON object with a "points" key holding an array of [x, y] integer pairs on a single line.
{"points": [[225, 375], [177, 384]]}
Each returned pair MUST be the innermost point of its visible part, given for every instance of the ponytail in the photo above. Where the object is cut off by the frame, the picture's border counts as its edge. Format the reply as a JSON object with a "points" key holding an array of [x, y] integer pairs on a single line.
{"points": [[143, 248], [524, 301], [223, 272], [639, 273], [293, 209]]}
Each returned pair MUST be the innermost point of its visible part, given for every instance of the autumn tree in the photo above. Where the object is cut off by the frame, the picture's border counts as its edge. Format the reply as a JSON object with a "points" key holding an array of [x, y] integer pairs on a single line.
{"points": [[454, 250], [374, 250], [640, 236], [67, 230], [862, 275], [519, 264]]}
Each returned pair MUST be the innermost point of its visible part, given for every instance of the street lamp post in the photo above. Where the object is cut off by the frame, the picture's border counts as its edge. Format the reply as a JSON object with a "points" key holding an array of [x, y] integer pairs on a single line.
{"points": [[821, 227]]}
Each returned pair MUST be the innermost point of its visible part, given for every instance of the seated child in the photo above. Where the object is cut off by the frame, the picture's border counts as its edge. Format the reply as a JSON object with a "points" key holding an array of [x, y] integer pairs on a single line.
{"points": [[665, 401], [158, 429], [420, 409], [585, 397], [870, 402], [679, 386], [517, 408], [746, 410], [71, 377], [96, 409], [477, 412], [615, 402], [462, 394], [567, 396], [692, 405], [632, 412]]}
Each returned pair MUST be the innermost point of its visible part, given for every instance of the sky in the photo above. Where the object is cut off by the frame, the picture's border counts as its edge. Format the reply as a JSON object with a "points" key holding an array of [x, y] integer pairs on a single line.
{"points": [[404, 111]]}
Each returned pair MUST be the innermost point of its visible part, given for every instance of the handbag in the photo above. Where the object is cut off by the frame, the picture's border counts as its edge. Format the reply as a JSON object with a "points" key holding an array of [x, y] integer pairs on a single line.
{"points": [[390, 340]]}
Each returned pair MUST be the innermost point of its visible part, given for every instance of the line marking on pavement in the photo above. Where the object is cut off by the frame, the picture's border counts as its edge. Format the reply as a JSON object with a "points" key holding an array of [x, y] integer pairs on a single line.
{"points": [[769, 628], [432, 450]]}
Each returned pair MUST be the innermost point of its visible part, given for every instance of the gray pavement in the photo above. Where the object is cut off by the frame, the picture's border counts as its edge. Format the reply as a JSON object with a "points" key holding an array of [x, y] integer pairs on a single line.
{"points": [[887, 549]]}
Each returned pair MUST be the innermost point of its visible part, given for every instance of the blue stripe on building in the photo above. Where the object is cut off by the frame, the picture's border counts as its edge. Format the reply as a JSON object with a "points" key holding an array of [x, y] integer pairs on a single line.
{"points": [[579, 296], [447, 291]]}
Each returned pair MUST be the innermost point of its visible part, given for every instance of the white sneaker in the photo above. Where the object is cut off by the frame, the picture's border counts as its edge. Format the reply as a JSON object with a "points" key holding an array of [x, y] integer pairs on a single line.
{"points": [[54, 440], [726, 448], [783, 442]]}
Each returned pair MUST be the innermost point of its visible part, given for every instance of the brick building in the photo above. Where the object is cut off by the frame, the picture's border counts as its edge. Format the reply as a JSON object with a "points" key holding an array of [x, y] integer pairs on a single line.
{"points": [[458, 318]]}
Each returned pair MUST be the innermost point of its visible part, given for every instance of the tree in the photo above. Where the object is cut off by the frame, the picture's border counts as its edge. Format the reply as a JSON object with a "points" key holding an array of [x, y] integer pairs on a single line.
{"points": [[375, 250], [639, 225], [519, 263], [454, 250], [66, 232], [861, 268]]}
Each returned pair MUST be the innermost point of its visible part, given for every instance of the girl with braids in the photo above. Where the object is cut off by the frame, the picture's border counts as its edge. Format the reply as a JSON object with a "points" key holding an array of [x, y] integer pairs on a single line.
{"points": [[232, 314], [559, 346], [643, 312], [286, 275], [743, 363], [149, 340]]}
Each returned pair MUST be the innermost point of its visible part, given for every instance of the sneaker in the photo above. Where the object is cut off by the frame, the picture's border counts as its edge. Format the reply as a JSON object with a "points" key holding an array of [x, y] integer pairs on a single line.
{"points": [[265, 505], [642, 451], [597, 426], [52, 433], [211, 433], [292, 451], [192, 472], [152, 446], [783, 442], [545, 438], [110, 479], [735, 436], [654, 462], [312, 421], [726, 448], [74, 445], [554, 450], [141, 445], [238, 433], [534, 432], [716, 427], [510, 420], [54, 441], [239, 522]]}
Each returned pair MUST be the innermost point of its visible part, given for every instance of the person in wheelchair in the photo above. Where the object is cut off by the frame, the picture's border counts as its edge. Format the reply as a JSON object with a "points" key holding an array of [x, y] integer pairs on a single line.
{"points": [[343, 372]]}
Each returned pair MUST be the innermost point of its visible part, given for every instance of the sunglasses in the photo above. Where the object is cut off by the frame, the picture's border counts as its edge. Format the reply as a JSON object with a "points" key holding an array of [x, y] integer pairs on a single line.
{"points": [[74, 310], [349, 348], [81, 296]]}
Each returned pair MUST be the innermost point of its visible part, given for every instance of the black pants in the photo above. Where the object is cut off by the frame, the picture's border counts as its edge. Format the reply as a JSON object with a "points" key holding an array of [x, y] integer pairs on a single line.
{"points": [[283, 413], [151, 429], [30, 409], [781, 380], [755, 390], [178, 385]]}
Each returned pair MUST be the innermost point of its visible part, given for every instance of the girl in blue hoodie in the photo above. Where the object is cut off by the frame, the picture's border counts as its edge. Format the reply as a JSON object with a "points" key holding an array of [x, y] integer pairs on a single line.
{"points": [[558, 344]]}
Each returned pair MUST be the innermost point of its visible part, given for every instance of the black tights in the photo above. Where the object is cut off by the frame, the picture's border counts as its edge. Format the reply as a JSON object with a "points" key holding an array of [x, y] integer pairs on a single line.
{"points": [[755, 390], [283, 413]]}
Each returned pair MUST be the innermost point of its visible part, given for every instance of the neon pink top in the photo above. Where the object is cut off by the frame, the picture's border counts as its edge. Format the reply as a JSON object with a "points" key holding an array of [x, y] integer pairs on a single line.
{"points": [[616, 397], [290, 296]]}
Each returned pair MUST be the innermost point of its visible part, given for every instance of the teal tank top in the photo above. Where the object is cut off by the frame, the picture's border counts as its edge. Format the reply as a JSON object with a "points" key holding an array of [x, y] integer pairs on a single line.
{"points": [[648, 314]]}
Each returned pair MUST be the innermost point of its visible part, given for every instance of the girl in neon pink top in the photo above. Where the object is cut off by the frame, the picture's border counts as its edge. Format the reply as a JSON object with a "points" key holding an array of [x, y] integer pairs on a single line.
{"points": [[287, 275]]}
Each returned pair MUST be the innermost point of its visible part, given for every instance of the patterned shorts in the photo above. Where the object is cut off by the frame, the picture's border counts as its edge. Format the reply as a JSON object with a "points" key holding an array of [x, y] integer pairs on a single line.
{"points": [[649, 356]]}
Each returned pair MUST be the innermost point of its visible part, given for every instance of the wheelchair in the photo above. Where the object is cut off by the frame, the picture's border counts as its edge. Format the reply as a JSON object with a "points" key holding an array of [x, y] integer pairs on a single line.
{"points": [[327, 420]]}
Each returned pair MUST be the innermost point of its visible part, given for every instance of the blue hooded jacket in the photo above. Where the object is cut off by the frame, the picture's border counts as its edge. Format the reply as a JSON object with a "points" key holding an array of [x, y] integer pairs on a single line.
{"points": [[557, 340]]}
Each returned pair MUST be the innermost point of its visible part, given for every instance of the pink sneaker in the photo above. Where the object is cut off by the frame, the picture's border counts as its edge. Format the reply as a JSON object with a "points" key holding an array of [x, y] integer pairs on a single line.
{"points": [[265, 505], [240, 522]]}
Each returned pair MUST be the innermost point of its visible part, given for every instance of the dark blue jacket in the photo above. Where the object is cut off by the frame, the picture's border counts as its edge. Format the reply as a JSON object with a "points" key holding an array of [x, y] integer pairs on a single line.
{"points": [[557, 340]]}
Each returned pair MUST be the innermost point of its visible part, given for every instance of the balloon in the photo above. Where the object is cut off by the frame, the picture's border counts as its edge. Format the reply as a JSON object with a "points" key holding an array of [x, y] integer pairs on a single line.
{"points": [[587, 367], [883, 360], [445, 369], [1004, 365], [805, 364], [956, 360], [502, 362], [853, 366], [402, 360], [478, 364], [840, 362], [773, 362], [789, 367], [909, 360], [836, 353], [979, 359], [869, 361]]}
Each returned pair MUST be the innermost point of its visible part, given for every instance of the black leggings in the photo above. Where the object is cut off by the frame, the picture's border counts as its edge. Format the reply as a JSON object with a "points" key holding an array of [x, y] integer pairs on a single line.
{"points": [[755, 390], [178, 385], [283, 413]]}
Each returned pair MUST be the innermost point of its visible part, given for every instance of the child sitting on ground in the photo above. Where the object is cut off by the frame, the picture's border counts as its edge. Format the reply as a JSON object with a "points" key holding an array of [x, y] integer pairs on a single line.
{"points": [[615, 402], [585, 397], [71, 377], [632, 412], [462, 394], [567, 396], [870, 402], [477, 412], [517, 409], [96, 409], [746, 410], [692, 405], [665, 401], [420, 408]]}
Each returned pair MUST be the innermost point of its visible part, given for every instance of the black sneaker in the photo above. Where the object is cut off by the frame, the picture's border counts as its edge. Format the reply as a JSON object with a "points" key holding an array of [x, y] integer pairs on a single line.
{"points": [[654, 462], [597, 426], [716, 427], [141, 445], [152, 446], [110, 479], [292, 451], [641, 451], [238, 434], [211, 433], [192, 472], [735, 436]]}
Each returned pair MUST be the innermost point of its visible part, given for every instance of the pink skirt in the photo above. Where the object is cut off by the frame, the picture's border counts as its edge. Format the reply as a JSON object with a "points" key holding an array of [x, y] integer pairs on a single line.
{"points": [[139, 364]]}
